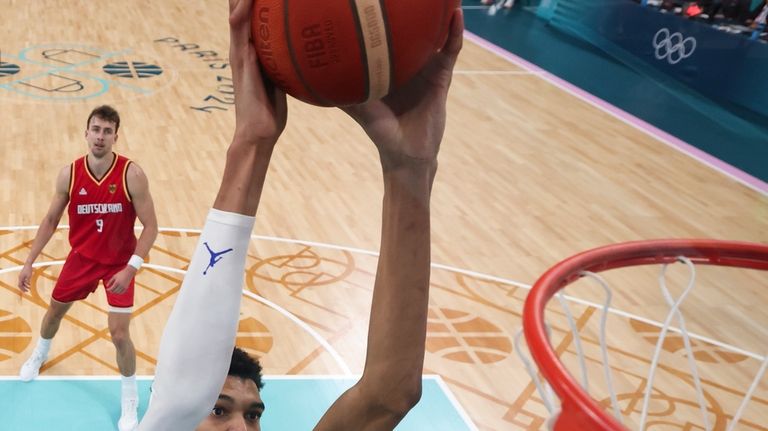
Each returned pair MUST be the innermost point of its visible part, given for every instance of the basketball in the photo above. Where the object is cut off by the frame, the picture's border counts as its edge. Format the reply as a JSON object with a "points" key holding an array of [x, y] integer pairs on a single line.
{"points": [[341, 52]]}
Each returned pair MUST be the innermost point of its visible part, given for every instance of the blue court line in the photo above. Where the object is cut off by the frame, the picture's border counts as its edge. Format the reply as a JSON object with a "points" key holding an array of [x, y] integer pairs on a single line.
{"points": [[71, 69], [66, 68], [294, 403], [115, 82]]}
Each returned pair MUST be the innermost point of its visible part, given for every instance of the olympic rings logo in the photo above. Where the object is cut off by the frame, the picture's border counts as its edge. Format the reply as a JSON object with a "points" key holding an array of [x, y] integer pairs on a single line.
{"points": [[672, 46]]}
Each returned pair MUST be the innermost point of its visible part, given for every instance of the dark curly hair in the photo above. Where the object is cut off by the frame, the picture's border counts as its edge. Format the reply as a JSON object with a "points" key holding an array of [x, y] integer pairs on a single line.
{"points": [[245, 367]]}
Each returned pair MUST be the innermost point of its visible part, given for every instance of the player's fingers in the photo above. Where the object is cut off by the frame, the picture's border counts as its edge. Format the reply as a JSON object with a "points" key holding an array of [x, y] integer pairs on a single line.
{"points": [[24, 282], [363, 113], [239, 10], [239, 24], [276, 97], [455, 39]]}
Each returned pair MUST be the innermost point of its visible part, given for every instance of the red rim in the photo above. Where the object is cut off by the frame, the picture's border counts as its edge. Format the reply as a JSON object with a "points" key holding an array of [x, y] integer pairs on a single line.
{"points": [[578, 410]]}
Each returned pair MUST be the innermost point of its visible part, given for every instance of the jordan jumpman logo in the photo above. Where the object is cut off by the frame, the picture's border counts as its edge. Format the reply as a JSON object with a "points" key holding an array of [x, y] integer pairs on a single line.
{"points": [[215, 257]]}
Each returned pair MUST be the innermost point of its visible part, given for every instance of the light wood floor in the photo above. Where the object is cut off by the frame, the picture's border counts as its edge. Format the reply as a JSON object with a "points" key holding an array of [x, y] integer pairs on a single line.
{"points": [[529, 174]]}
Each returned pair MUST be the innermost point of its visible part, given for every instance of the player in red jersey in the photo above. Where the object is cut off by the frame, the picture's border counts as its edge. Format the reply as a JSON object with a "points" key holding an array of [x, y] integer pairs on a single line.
{"points": [[104, 193]]}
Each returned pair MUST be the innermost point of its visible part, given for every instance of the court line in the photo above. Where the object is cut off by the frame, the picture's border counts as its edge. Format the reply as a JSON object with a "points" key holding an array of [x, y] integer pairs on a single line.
{"points": [[497, 72], [323, 342], [63, 377], [456, 405], [268, 376], [678, 144], [460, 271], [303, 325], [314, 377], [73, 69], [436, 377]]}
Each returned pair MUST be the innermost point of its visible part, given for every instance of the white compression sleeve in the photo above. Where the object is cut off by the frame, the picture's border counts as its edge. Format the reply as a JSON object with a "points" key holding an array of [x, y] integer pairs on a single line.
{"points": [[196, 347]]}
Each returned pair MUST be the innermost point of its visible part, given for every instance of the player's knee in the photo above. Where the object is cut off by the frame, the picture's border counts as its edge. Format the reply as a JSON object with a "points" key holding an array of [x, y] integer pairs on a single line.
{"points": [[57, 311], [55, 316], [120, 336]]}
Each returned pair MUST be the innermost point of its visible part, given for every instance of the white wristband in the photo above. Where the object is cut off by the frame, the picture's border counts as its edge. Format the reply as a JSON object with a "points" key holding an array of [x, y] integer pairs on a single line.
{"points": [[135, 261]]}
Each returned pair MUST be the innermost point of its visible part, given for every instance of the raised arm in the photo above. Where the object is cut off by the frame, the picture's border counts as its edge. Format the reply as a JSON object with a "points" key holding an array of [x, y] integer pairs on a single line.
{"points": [[198, 339], [407, 128], [47, 226]]}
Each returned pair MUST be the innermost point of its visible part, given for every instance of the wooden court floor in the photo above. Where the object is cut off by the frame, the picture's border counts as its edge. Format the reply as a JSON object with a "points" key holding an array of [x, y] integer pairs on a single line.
{"points": [[529, 174]]}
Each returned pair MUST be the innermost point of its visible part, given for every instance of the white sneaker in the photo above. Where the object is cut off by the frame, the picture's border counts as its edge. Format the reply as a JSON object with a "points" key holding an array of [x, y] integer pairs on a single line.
{"points": [[31, 368], [129, 416]]}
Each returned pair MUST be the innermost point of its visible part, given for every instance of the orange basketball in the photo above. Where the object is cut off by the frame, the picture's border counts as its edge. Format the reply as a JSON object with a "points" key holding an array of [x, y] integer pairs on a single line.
{"points": [[343, 52]]}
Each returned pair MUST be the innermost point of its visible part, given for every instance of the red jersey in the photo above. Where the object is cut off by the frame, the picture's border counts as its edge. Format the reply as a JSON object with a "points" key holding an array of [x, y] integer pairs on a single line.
{"points": [[101, 214]]}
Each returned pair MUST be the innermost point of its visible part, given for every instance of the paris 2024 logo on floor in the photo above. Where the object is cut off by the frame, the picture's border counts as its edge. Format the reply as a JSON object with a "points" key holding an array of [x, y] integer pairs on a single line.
{"points": [[63, 72]]}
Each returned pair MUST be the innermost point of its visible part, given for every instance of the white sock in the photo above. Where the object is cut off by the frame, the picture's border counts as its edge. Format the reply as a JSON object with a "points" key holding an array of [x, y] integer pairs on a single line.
{"points": [[129, 388], [43, 345]]}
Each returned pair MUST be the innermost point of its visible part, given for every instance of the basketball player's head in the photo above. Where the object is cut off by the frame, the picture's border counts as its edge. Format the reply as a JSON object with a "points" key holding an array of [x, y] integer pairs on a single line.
{"points": [[106, 113], [101, 130], [239, 407]]}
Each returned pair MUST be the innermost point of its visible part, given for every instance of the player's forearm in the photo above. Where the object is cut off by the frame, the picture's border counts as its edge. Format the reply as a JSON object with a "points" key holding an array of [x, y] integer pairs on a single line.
{"points": [[401, 294], [43, 235], [146, 239], [244, 176], [391, 382], [197, 342]]}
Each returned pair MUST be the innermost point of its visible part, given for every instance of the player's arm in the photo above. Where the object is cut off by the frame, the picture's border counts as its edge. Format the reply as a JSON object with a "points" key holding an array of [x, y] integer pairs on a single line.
{"points": [[198, 339], [48, 225], [138, 188], [407, 128]]}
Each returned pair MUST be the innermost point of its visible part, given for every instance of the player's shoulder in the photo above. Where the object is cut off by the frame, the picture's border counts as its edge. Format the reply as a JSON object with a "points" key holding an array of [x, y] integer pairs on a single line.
{"points": [[135, 177], [130, 165], [66, 170], [76, 161], [64, 178], [133, 169]]}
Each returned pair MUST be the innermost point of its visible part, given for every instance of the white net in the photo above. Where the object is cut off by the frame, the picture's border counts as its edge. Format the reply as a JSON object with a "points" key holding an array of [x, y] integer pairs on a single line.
{"points": [[690, 356]]}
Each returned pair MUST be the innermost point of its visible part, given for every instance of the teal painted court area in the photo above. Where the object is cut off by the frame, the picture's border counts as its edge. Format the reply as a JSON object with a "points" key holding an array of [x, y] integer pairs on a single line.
{"points": [[293, 403], [730, 134]]}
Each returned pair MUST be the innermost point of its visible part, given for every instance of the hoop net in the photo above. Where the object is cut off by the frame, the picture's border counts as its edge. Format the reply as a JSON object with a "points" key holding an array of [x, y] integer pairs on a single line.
{"points": [[577, 410]]}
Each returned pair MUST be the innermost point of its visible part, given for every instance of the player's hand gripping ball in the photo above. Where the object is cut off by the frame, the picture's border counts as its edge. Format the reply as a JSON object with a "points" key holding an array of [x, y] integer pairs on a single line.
{"points": [[344, 52]]}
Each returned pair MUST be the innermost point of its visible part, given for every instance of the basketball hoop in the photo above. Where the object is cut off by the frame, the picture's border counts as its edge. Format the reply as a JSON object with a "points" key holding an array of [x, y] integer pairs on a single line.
{"points": [[578, 410]]}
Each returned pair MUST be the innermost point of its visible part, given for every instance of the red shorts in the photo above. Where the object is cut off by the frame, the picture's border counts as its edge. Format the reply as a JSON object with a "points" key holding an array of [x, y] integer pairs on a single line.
{"points": [[80, 277]]}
